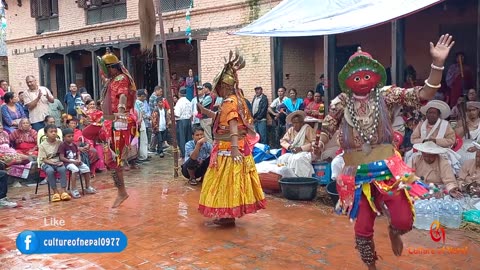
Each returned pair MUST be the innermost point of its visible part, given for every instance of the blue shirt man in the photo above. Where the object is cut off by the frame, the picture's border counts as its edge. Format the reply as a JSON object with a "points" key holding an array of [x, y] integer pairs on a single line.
{"points": [[197, 156], [72, 100]]}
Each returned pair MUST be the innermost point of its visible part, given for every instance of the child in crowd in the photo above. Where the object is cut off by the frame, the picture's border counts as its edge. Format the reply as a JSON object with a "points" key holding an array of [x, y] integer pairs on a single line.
{"points": [[407, 145], [160, 123], [197, 156], [50, 163], [70, 156]]}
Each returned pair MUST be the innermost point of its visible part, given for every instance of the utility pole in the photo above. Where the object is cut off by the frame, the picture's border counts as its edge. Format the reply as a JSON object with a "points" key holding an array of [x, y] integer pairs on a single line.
{"points": [[173, 130]]}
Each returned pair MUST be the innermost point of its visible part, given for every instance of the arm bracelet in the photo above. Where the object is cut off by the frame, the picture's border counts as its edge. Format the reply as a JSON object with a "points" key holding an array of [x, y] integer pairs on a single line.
{"points": [[431, 85], [437, 67]]}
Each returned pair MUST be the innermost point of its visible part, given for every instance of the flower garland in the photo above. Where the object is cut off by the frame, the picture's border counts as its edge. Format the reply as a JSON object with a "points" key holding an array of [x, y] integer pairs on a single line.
{"points": [[188, 30], [367, 135]]}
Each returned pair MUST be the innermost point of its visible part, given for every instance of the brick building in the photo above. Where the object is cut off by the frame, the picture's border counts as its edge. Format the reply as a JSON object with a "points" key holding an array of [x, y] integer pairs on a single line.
{"points": [[58, 41]]}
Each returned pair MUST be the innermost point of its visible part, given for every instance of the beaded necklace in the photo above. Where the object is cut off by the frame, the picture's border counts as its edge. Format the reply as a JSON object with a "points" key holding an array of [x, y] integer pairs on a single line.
{"points": [[367, 134]]}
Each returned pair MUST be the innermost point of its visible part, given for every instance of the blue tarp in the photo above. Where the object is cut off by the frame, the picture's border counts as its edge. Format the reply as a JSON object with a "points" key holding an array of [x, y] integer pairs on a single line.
{"points": [[327, 17]]}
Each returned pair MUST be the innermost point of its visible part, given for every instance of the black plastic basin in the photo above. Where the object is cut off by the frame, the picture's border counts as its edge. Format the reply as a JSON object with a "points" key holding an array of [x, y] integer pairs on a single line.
{"points": [[299, 188], [332, 191]]}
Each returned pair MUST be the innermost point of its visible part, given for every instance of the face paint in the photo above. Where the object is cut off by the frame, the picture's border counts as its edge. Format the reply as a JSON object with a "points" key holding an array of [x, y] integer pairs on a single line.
{"points": [[362, 82]]}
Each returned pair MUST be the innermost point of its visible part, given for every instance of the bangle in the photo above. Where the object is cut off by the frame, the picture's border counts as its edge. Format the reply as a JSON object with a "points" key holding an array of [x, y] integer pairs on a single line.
{"points": [[323, 145], [437, 67], [431, 85], [233, 146], [233, 134]]}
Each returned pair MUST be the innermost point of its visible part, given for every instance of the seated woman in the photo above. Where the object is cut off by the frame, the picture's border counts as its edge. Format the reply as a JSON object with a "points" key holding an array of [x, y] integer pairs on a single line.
{"points": [[469, 130], [24, 139], [434, 168], [292, 102], [94, 116], [89, 155], [298, 140], [12, 112], [8, 155], [316, 108], [309, 98]]}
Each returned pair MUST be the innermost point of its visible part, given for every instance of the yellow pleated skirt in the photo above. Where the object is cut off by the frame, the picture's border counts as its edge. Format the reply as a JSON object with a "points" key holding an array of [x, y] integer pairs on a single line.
{"points": [[231, 190]]}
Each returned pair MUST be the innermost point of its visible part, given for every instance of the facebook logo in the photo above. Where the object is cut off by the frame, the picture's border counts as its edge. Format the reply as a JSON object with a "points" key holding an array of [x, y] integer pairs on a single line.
{"points": [[27, 242]]}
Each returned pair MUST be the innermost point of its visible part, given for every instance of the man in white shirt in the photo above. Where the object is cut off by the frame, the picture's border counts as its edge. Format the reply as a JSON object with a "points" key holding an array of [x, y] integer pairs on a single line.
{"points": [[183, 116], [36, 99]]}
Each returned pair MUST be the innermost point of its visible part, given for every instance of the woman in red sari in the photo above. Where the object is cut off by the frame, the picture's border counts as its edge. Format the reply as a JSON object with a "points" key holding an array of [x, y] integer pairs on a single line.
{"points": [[24, 138], [95, 117], [316, 108], [88, 154]]}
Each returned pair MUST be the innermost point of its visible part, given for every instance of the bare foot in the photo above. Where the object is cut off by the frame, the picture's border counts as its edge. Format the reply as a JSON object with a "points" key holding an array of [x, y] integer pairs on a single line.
{"points": [[119, 200], [372, 267], [225, 222], [397, 243]]}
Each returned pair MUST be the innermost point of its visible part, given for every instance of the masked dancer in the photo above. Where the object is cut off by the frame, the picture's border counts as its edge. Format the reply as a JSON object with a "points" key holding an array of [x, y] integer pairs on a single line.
{"points": [[373, 177], [119, 128], [231, 186]]}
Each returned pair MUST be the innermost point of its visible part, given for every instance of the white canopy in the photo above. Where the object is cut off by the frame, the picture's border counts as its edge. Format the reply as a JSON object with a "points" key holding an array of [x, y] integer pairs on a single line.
{"points": [[327, 17]]}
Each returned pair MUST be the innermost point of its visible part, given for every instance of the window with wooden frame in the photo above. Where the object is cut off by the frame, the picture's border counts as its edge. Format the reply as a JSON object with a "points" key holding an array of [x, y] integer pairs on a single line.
{"points": [[173, 5], [99, 11], [45, 13]]}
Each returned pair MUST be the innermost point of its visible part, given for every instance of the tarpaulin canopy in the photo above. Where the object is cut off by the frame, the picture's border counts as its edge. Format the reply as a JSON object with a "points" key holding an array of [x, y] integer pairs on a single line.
{"points": [[327, 17]]}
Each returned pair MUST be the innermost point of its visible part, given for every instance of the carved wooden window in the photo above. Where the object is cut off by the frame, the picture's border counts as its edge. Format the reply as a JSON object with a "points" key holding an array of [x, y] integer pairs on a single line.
{"points": [[46, 14], [99, 11], [172, 5]]}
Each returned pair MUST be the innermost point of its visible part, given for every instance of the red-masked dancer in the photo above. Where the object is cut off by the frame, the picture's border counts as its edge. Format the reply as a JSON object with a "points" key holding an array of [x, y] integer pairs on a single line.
{"points": [[374, 177], [231, 186], [119, 128]]}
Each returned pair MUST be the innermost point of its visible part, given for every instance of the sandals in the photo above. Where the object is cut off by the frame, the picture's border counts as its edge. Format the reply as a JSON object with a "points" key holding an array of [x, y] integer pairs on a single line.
{"points": [[193, 182], [56, 197], [65, 196]]}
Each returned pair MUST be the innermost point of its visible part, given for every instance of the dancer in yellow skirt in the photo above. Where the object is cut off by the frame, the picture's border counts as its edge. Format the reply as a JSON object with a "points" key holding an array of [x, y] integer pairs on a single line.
{"points": [[231, 187]]}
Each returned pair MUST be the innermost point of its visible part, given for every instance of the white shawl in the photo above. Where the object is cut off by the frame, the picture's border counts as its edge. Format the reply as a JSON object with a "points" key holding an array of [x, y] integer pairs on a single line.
{"points": [[441, 132], [299, 139]]}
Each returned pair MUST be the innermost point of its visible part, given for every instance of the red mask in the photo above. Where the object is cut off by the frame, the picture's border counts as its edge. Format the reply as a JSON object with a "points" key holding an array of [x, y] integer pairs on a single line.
{"points": [[362, 82]]}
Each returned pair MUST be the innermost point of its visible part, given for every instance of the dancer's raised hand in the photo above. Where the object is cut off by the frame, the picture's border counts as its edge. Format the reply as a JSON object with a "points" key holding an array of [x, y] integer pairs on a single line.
{"points": [[440, 51]]}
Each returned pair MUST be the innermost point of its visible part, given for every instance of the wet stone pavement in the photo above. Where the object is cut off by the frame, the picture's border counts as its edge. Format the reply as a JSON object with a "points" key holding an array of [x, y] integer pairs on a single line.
{"points": [[165, 231]]}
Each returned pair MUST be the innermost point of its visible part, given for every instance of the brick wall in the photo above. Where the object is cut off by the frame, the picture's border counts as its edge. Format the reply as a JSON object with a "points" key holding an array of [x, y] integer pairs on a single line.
{"points": [[255, 51], [299, 64], [217, 16]]}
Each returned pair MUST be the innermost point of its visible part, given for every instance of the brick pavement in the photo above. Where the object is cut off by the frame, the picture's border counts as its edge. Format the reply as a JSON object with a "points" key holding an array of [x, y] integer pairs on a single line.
{"points": [[165, 231]]}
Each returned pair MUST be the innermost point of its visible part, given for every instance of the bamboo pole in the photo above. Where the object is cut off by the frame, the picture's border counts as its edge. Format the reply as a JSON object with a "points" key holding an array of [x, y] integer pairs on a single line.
{"points": [[173, 129]]}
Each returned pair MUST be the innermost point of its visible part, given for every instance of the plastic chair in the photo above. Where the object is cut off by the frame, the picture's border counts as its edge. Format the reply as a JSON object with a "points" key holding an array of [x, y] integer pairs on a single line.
{"points": [[43, 174]]}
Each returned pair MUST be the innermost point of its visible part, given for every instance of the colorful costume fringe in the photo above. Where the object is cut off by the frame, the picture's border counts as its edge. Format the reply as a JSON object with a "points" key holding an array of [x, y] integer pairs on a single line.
{"points": [[388, 176], [230, 189]]}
